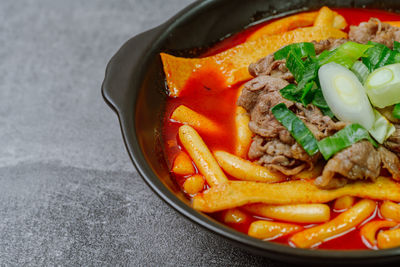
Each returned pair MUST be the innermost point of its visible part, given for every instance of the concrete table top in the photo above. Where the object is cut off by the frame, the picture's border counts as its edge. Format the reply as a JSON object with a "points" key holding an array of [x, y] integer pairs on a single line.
{"points": [[69, 194]]}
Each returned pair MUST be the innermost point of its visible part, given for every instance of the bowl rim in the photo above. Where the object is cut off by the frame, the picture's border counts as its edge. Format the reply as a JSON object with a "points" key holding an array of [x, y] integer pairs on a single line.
{"points": [[128, 127]]}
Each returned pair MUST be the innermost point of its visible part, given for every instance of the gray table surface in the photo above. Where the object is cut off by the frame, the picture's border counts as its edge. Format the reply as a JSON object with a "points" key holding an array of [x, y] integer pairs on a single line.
{"points": [[69, 194]]}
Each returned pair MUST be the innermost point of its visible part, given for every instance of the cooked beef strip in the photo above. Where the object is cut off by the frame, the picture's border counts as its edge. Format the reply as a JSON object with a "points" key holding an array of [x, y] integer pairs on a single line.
{"points": [[393, 142], [269, 66], [376, 31], [387, 112], [289, 159], [359, 161], [321, 126], [328, 44], [390, 162]]}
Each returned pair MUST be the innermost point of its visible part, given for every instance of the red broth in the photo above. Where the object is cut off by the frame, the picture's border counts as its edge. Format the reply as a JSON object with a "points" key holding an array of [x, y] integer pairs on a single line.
{"points": [[206, 95]]}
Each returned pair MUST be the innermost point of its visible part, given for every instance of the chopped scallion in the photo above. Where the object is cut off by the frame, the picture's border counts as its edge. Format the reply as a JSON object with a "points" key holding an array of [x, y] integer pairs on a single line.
{"points": [[379, 55], [396, 111], [382, 128], [382, 86], [296, 65], [296, 127], [302, 50], [342, 139], [319, 99], [360, 70], [345, 55], [291, 92], [396, 46]]}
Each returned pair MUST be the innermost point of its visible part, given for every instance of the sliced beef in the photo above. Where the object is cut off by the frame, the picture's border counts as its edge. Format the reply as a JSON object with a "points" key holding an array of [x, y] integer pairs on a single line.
{"points": [[288, 158], [269, 66], [328, 44], [376, 31], [258, 97], [390, 162], [321, 126], [393, 142], [388, 113], [359, 161]]}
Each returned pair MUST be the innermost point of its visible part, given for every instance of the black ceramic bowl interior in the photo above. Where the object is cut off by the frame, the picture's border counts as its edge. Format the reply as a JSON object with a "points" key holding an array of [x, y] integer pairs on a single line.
{"points": [[134, 86]]}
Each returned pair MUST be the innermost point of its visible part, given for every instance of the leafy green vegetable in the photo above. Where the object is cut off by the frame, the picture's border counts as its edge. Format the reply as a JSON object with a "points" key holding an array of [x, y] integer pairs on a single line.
{"points": [[345, 95], [302, 50], [324, 55], [320, 102], [307, 94], [379, 55], [382, 128], [327, 112], [296, 65], [396, 46], [345, 55], [296, 127], [294, 93], [310, 72], [344, 138], [319, 99], [360, 70], [382, 86], [396, 111], [291, 92]]}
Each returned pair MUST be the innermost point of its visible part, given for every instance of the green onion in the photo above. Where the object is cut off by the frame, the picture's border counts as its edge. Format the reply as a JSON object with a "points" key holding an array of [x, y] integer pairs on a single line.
{"points": [[319, 99], [307, 95], [342, 139], [304, 95], [396, 111], [291, 92], [310, 72], [327, 112], [296, 127], [360, 70], [345, 95], [320, 102], [296, 65], [382, 128], [382, 86], [346, 54], [396, 46], [379, 55], [324, 55], [302, 50]]}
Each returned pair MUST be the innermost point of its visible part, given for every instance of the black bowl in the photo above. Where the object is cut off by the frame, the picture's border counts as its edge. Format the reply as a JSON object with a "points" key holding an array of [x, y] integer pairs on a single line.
{"points": [[134, 86]]}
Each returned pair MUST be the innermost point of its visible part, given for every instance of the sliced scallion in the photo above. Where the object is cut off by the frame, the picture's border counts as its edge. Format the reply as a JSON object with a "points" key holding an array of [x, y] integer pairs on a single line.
{"points": [[396, 111], [344, 138], [379, 55], [396, 46], [345, 55], [302, 50], [291, 92], [382, 128], [296, 127], [296, 65], [360, 70], [345, 95], [382, 86], [319, 100]]}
